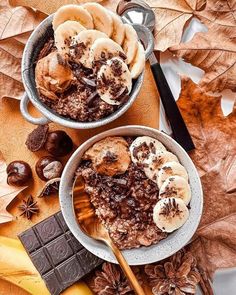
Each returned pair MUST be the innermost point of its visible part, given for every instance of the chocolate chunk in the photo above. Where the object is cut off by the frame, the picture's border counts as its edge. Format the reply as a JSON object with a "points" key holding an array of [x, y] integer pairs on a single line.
{"points": [[37, 138], [57, 255]]}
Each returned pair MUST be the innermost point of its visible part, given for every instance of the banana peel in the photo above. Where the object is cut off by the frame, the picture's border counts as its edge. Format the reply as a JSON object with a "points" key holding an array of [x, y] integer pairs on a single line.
{"points": [[17, 268]]}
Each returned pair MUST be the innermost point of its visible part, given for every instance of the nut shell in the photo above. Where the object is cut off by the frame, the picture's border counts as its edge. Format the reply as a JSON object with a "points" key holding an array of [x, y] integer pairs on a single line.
{"points": [[48, 168], [18, 173], [58, 143]]}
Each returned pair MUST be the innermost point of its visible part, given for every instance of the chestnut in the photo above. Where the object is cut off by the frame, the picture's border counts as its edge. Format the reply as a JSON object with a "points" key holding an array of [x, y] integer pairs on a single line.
{"points": [[48, 168], [58, 143], [18, 173]]}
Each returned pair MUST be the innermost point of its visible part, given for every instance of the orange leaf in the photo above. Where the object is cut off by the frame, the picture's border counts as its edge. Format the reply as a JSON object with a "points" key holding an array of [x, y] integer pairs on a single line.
{"points": [[215, 158]]}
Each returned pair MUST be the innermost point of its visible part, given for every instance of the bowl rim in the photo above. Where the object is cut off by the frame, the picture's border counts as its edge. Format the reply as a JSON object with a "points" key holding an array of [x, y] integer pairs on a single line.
{"points": [[92, 245], [52, 115]]}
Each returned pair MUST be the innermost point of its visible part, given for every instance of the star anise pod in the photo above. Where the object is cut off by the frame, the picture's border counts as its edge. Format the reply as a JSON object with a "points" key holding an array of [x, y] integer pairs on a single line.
{"points": [[177, 275], [29, 207], [111, 281]]}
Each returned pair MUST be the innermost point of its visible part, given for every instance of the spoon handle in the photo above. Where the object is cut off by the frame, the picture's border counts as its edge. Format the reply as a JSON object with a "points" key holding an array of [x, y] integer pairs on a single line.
{"points": [[126, 269]]}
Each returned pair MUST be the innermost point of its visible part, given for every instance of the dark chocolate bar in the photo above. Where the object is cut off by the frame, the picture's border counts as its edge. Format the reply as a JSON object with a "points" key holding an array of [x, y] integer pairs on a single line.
{"points": [[58, 256]]}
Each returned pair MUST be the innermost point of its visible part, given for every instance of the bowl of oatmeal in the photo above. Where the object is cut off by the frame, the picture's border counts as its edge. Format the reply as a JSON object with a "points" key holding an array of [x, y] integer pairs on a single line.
{"points": [[144, 189], [82, 67]]}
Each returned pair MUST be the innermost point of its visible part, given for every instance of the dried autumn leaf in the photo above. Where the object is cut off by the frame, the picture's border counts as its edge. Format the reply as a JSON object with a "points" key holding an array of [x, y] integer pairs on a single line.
{"points": [[15, 28], [7, 192], [221, 13], [215, 246], [47, 6], [16, 21], [211, 131], [171, 19], [215, 158], [215, 53]]}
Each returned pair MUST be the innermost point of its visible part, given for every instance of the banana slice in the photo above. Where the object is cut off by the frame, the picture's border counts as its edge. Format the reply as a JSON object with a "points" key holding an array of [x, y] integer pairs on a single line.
{"points": [[130, 44], [171, 169], [64, 34], [177, 187], [105, 48], [118, 33], [143, 146], [154, 163], [137, 65], [101, 17], [170, 214], [114, 81], [75, 13], [81, 44]]}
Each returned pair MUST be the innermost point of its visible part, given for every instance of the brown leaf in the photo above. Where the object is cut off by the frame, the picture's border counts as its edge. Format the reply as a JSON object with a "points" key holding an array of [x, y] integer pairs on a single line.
{"points": [[16, 26], [221, 13], [216, 245], [211, 131], [171, 17], [19, 20], [214, 51], [215, 158], [7, 192]]}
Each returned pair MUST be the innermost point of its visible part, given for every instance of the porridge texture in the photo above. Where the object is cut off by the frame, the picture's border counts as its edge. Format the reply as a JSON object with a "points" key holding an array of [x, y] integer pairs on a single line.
{"points": [[125, 195], [85, 72]]}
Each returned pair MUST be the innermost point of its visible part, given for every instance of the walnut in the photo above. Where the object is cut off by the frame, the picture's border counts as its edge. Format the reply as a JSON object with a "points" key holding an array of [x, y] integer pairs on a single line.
{"points": [[53, 75]]}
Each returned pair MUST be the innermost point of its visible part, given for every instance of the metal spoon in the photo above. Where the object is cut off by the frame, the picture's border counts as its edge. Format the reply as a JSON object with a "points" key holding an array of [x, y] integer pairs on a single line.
{"points": [[92, 227], [139, 12]]}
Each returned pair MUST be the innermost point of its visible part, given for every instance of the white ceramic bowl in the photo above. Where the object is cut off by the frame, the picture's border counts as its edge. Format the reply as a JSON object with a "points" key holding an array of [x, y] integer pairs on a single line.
{"points": [[144, 255]]}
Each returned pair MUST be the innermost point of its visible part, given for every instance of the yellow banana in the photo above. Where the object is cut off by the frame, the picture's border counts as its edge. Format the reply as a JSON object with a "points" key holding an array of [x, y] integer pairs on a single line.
{"points": [[78, 289], [17, 268]]}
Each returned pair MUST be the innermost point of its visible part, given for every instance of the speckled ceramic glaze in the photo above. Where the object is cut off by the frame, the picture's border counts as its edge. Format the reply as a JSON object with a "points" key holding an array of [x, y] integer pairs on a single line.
{"points": [[32, 49], [143, 255]]}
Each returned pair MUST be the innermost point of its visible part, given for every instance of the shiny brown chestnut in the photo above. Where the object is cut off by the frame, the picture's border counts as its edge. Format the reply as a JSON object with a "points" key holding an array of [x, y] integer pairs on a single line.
{"points": [[58, 143], [48, 168], [18, 173]]}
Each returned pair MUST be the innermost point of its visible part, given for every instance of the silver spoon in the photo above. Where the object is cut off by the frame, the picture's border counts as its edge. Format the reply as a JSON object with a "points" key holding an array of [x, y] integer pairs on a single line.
{"points": [[139, 12]]}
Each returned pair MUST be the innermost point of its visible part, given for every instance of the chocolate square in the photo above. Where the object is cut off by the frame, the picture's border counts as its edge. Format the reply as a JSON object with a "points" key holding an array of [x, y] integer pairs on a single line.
{"points": [[52, 283], [59, 250], [41, 261], [30, 240], [62, 221], [74, 243], [70, 271], [92, 261], [48, 230]]}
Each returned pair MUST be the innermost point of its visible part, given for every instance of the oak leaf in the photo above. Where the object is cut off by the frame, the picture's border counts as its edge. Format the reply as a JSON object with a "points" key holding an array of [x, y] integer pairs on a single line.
{"points": [[215, 159], [7, 192]]}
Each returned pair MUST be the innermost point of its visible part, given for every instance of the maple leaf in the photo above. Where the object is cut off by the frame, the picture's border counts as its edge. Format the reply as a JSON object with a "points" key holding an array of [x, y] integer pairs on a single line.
{"points": [[214, 51], [7, 192], [171, 19], [221, 13], [215, 159], [211, 131]]}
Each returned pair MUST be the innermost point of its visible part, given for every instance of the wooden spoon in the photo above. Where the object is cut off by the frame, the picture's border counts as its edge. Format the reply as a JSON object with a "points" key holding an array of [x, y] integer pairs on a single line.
{"points": [[91, 226]]}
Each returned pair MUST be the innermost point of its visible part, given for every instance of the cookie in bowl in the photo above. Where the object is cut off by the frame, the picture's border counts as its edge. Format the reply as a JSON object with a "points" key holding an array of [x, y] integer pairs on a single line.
{"points": [[138, 188], [87, 70]]}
